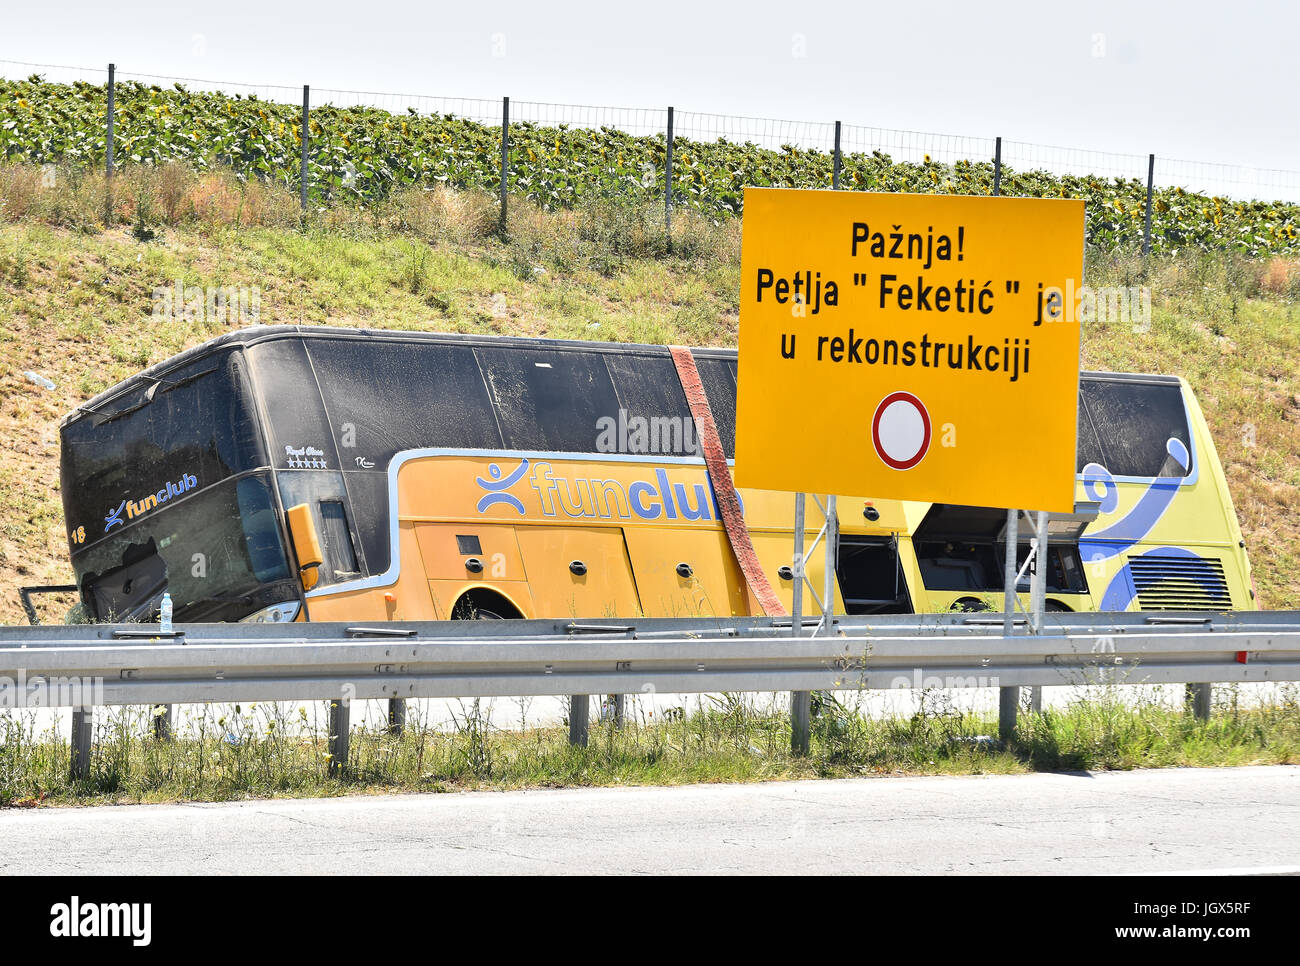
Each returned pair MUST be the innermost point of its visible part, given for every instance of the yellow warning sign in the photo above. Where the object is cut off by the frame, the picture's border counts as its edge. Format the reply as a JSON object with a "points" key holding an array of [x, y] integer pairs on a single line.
{"points": [[914, 347]]}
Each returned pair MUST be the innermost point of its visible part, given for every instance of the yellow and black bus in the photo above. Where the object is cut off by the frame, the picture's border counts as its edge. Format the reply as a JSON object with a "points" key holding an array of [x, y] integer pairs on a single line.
{"points": [[300, 473]]}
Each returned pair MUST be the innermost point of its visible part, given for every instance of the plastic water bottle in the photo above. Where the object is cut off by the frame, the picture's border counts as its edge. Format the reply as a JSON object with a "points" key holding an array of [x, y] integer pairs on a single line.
{"points": [[38, 379], [165, 618]]}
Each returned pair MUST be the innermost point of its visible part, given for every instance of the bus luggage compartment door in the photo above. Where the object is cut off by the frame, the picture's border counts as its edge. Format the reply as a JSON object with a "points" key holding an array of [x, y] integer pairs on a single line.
{"points": [[686, 573], [578, 572]]}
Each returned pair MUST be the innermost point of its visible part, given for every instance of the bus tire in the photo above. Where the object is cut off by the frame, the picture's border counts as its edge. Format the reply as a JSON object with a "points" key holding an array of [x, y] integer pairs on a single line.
{"points": [[483, 604]]}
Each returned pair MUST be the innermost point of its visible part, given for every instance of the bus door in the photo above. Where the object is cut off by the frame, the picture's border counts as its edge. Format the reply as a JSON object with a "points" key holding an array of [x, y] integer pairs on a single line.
{"points": [[457, 556], [871, 575]]}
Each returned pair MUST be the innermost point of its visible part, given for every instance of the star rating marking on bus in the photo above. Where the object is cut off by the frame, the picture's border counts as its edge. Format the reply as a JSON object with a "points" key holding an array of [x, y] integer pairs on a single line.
{"points": [[306, 464]]}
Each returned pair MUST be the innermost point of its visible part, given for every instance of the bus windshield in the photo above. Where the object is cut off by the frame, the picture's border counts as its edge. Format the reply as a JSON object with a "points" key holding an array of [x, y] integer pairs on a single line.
{"points": [[165, 489]]}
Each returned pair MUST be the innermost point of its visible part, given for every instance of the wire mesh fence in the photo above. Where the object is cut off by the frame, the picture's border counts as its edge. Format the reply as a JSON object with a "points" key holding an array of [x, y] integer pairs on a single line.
{"points": [[363, 144]]}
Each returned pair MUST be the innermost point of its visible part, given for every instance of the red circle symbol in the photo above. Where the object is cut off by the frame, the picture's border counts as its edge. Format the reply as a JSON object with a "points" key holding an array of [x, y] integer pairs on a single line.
{"points": [[900, 430]]}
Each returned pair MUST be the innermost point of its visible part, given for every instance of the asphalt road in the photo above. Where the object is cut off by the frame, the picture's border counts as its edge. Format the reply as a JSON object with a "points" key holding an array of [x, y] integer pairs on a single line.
{"points": [[1165, 821]]}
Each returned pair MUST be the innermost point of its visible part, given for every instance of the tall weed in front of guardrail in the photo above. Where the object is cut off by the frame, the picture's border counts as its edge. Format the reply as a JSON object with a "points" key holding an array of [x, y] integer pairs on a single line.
{"points": [[1132, 727], [264, 750]]}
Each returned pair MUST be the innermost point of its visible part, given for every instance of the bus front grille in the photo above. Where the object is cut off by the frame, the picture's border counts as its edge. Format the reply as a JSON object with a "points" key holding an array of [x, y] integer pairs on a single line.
{"points": [[1179, 583]]}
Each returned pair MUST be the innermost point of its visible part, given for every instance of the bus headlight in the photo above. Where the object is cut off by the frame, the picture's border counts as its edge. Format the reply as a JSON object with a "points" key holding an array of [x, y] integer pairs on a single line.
{"points": [[275, 614]]}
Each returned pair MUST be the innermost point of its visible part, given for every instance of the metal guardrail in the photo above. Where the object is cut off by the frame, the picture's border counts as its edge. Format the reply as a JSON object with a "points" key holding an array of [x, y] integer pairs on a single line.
{"points": [[222, 662], [133, 664]]}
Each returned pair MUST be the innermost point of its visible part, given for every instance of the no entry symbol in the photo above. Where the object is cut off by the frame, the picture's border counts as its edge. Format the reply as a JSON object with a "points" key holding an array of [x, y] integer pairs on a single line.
{"points": [[900, 430]]}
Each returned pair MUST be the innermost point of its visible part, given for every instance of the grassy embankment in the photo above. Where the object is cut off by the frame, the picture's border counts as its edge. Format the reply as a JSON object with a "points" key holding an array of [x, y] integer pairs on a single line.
{"points": [[76, 300]]}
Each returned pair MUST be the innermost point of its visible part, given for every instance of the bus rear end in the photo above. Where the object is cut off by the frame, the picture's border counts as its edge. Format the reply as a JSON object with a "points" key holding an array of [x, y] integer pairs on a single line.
{"points": [[166, 489]]}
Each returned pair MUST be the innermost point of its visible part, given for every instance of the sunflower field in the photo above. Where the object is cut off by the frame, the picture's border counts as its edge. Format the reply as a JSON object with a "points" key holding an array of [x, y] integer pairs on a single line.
{"points": [[362, 154]]}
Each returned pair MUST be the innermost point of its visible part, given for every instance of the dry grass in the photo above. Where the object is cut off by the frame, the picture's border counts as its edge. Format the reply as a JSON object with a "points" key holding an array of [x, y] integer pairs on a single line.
{"points": [[264, 750], [169, 194], [443, 216]]}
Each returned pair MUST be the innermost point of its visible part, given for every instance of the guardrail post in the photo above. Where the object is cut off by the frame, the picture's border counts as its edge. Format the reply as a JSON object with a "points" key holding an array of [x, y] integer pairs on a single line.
{"points": [[620, 710], [1008, 707], [1009, 698], [396, 715], [800, 722], [668, 184], [83, 721], [162, 722], [579, 719], [306, 135], [505, 161], [340, 725], [1146, 231], [1200, 699]]}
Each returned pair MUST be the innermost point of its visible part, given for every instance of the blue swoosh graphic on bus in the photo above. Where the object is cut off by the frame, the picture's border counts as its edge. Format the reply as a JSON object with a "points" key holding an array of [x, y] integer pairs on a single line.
{"points": [[1121, 590], [114, 518], [1139, 521], [497, 485]]}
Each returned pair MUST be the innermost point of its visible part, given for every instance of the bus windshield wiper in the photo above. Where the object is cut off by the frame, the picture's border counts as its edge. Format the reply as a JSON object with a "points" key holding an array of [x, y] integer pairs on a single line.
{"points": [[220, 599]]}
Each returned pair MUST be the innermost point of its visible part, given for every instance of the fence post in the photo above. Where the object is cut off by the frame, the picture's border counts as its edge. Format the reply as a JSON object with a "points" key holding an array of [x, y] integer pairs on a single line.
{"points": [[112, 85], [1200, 700], [668, 184], [835, 171], [340, 725], [1009, 698], [997, 167], [108, 144], [579, 715], [83, 721], [505, 161], [162, 722], [1146, 231], [306, 134]]}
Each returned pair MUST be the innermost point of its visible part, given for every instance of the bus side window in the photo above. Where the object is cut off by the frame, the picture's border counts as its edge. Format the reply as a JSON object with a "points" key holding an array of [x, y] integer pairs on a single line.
{"points": [[341, 554], [719, 378]]}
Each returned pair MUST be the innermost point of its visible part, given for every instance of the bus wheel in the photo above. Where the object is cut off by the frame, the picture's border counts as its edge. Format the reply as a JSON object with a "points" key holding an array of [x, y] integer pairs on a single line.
{"points": [[484, 605], [968, 605]]}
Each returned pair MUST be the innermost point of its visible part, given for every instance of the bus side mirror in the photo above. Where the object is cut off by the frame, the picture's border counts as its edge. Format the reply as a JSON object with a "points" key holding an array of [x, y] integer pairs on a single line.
{"points": [[306, 544]]}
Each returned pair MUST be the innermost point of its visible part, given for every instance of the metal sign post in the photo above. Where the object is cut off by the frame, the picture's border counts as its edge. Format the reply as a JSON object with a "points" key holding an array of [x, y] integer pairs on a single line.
{"points": [[801, 701], [1009, 697]]}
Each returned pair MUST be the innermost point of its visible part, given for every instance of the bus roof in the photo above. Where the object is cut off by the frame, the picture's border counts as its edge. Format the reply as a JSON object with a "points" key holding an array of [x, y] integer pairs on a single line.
{"points": [[261, 333]]}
